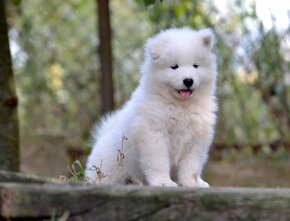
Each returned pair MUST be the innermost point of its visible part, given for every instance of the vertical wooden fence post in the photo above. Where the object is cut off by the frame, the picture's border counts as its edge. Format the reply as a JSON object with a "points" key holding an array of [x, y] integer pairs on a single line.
{"points": [[9, 134], [105, 49]]}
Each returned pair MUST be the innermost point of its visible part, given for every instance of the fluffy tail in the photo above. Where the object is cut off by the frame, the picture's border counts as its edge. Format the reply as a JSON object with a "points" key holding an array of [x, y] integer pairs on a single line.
{"points": [[104, 126]]}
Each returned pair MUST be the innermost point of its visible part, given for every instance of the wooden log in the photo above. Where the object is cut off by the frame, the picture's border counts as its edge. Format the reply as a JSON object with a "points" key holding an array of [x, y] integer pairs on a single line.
{"points": [[89, 202], [6, 176]]}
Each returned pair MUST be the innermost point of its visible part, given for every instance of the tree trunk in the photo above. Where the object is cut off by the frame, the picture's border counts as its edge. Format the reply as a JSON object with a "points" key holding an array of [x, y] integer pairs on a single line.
{"points": [[105, 56], [9, 134]]}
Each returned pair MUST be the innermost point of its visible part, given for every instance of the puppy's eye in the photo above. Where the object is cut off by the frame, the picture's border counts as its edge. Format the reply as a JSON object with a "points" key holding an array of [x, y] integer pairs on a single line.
{"points": [[195, 66], [174, 66]]}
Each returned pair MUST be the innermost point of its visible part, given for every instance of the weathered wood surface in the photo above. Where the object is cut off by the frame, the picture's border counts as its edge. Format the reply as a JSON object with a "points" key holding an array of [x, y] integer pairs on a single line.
{"points": [[11, 177], [42, 201]]}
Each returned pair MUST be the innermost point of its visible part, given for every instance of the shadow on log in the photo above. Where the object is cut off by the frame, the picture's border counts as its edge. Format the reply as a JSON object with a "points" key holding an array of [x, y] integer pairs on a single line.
{"points": [[46, 199]]}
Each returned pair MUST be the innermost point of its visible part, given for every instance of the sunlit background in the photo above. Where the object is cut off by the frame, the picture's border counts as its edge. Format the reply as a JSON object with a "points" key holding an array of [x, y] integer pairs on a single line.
{"points": [[56, 64]]}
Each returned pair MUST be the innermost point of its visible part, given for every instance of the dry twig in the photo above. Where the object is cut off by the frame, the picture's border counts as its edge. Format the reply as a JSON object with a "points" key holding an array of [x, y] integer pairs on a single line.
{"points": [[100, 174], [120, 154]]}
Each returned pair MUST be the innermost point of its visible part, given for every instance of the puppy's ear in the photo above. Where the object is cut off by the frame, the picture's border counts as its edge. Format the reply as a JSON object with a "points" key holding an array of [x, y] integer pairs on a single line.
{"points": [[207, 37], [155, 47]]}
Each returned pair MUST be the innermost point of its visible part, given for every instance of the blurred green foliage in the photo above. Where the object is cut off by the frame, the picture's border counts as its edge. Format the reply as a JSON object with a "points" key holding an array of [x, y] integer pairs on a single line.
{"points": [[57, 69], [55, 65]]}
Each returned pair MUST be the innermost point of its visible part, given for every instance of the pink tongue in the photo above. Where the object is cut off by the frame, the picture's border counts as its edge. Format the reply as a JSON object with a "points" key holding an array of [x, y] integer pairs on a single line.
{"points": [[185, 93]]}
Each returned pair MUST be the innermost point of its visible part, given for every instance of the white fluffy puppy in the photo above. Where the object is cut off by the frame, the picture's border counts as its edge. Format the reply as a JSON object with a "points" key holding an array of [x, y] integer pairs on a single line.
{"points": [[169, 120]]}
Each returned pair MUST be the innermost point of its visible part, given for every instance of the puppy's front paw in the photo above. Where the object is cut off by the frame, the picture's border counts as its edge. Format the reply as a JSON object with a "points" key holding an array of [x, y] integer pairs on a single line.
{"points": [[163, 183], [169, 183], [191, 182], [194, 182], [202, 183]]}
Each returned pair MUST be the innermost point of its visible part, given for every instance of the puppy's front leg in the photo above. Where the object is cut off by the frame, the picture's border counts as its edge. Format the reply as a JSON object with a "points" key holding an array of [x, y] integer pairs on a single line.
{"points": [[154, 159], [190, 167]]}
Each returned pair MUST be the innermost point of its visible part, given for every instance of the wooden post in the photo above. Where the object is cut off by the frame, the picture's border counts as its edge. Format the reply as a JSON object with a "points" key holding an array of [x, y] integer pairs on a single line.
{"points": [[107, 95], [9, 134]]}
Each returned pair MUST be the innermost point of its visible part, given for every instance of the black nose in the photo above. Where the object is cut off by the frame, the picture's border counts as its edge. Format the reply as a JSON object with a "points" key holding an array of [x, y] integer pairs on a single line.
{"points": [[188, 82]]}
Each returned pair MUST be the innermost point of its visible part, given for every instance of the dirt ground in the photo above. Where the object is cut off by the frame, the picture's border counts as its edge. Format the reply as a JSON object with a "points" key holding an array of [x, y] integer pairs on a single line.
{"points": [[248, 173]]}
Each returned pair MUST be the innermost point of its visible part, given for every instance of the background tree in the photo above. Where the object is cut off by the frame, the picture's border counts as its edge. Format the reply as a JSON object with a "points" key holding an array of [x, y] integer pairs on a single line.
{"points": [[56, 67], [9, 142]]}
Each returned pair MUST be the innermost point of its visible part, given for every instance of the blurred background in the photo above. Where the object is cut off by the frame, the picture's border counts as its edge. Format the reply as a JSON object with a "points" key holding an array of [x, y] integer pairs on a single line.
{"points": [[55, 51]]}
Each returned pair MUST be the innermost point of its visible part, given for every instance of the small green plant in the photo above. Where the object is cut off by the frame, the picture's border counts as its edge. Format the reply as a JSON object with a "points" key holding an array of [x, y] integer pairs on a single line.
{"points": [[77, 173]]}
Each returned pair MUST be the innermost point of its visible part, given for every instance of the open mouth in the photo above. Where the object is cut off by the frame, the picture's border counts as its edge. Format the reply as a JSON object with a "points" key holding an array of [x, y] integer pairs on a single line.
{"points": [[185, 92]]}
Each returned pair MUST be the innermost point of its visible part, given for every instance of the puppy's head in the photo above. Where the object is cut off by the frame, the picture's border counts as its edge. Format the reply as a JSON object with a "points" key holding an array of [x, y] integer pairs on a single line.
{"points": [[180, 63]]}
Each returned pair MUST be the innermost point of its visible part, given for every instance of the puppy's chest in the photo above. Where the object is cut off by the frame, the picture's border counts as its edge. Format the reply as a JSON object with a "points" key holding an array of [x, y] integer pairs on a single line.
{"points": [[185, 131], [183, 128]]}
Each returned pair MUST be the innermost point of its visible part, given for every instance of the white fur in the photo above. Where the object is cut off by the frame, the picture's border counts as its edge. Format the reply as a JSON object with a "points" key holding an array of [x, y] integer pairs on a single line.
{"points": [[168, 135]]}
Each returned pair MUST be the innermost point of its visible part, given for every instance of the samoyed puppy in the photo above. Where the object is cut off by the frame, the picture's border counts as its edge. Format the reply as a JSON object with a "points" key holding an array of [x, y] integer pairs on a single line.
{"points": [[161, 136]]}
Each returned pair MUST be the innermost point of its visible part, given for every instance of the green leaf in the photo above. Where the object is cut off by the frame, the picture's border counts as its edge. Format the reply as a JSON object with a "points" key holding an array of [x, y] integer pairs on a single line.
{"points": [[77, 168], [16, 2], [148, 2]]}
